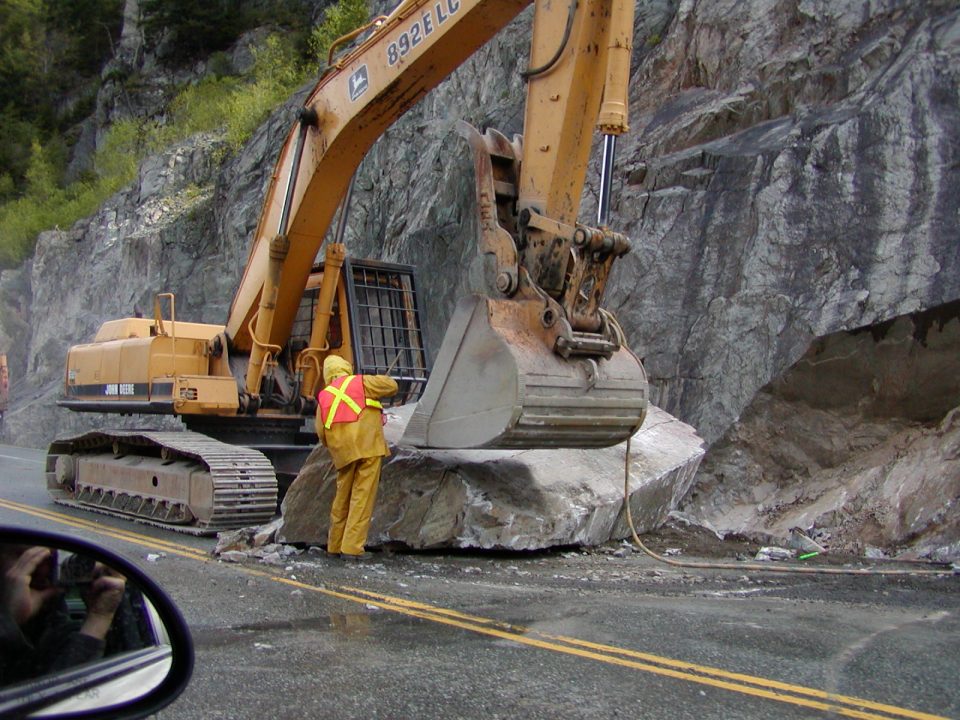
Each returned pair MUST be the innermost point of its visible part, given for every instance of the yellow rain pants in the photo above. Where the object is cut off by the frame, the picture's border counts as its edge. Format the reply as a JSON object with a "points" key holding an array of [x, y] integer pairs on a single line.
{"points": [[353, 505]]}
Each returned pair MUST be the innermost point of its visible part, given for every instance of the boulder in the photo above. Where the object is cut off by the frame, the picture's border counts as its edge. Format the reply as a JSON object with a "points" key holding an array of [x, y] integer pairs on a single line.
{"points": [[506, 499]]}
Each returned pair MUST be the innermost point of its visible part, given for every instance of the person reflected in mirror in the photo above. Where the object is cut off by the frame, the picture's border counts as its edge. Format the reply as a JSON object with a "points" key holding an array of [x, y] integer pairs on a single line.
{"points": [[37, 635], [350, 425]]}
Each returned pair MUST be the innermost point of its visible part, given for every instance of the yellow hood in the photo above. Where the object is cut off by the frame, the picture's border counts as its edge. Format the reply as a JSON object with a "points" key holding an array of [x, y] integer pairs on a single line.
{"points": [[335, 366]]}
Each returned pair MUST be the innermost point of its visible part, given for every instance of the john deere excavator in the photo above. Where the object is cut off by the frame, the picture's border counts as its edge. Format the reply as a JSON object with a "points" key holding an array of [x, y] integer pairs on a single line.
{"points": [[534, 361]]}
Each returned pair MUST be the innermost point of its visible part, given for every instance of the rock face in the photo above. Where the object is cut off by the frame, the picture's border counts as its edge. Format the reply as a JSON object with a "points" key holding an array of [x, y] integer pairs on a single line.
{"points": [[507, 500], [858, 444], [795, 177], [792, 174]]}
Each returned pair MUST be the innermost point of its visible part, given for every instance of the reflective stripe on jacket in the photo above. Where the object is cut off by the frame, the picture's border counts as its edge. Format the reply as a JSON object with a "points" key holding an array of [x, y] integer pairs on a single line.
{"points": [[343, 400]]}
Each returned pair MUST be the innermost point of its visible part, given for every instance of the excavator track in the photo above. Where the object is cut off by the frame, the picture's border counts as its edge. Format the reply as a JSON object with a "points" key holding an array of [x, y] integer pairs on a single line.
{"points": [[183, 481]]}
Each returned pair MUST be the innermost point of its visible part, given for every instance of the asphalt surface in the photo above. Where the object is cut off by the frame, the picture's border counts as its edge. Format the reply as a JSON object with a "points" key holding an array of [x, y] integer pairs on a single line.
{"points": [[599, 633]]}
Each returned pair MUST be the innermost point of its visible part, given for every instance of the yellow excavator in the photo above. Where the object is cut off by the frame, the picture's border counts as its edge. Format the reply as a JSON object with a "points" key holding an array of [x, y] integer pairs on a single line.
{"points": [[533, 361]]}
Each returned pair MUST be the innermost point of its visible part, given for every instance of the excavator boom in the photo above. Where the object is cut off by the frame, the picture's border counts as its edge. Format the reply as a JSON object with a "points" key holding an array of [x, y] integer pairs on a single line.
{"points": [[563, 376], [410, 53]]}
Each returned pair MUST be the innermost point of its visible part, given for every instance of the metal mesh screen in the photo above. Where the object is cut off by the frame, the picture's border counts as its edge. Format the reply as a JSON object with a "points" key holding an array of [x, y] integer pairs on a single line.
{"points": [[385, 323]]}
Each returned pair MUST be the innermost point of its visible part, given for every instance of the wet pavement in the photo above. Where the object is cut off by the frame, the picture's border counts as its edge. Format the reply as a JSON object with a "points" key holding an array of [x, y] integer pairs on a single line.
{"points": [[603, 633]]}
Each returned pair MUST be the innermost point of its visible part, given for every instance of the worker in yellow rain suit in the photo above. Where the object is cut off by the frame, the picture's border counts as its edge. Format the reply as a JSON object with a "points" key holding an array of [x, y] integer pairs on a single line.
{"points": [[349, 424]]}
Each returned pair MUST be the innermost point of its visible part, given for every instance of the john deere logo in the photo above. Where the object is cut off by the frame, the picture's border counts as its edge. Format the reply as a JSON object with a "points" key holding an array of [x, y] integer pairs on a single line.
{"points": [[359, 82]]}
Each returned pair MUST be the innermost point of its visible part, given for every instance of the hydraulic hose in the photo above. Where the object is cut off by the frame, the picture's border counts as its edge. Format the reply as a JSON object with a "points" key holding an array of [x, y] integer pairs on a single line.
{"points": [[754, 567], [533, 72]]}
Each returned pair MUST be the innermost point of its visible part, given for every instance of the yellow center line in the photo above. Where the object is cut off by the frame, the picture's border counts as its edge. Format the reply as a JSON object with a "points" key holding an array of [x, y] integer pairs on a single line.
{"points": [[488, 627], [116, 533], [669, 662], [690, 672]]}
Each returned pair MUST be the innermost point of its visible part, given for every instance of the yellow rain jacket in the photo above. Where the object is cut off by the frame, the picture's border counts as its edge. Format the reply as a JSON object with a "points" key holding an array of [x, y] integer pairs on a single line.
{"points": [[351, 441]]}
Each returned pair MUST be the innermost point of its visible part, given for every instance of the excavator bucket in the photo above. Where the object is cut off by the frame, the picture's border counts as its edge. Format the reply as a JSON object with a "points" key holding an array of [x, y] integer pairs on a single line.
{"points": [[496, 384]]}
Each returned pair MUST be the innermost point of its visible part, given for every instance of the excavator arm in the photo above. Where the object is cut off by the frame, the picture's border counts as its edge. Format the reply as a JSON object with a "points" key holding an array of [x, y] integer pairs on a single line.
{"points": [[534, 361], [410, 53]]}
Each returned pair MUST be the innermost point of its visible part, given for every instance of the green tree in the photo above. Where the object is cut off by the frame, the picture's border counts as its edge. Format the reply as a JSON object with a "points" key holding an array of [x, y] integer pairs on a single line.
{"points": [[48, 49], [42, 173], [88, 31], [338, 20], [22, 54], [187, 30], [16, 138], [193, 29]]}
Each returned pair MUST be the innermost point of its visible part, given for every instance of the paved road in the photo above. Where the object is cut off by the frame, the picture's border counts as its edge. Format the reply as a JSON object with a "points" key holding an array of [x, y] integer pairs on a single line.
{"points": [[568, 634]]}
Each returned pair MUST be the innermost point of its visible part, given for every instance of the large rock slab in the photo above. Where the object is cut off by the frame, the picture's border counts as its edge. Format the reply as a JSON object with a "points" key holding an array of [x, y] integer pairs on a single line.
{"points": [[516, 500]]}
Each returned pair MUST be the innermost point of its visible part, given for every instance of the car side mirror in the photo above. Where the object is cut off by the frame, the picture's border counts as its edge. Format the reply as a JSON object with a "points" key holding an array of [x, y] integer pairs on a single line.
{"points": [[84, 632]]}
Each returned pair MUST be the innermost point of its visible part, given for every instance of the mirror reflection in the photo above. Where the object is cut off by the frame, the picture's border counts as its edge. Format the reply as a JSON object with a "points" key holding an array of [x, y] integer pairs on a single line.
{"points": [[60, 609]]}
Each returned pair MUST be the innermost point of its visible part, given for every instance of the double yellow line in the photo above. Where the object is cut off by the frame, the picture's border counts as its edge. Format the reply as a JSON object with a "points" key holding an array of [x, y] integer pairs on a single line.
{"points": [[765, 688], [108, 531]]}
